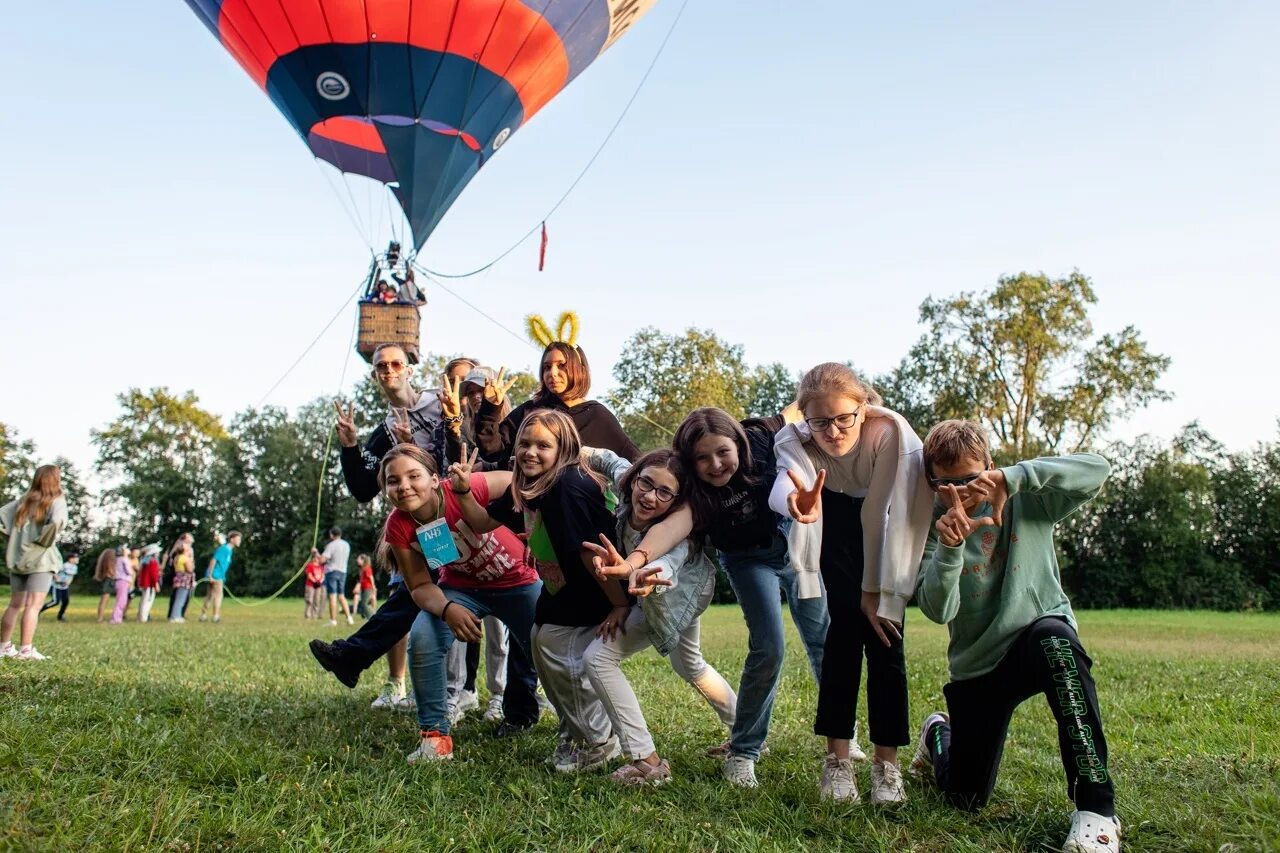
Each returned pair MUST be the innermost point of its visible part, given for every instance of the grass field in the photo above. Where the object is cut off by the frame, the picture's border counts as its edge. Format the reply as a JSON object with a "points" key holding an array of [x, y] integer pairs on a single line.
{"points": [[230, 737]]}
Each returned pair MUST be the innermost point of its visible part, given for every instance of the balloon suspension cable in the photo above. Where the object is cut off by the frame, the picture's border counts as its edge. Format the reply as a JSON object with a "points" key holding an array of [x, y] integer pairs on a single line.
{"points": [[324, 470], [522, 338], [608, 136]]}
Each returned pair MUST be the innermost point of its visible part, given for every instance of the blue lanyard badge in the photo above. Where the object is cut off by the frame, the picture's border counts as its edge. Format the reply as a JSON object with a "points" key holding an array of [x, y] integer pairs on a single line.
{"points": [[437, 544]]}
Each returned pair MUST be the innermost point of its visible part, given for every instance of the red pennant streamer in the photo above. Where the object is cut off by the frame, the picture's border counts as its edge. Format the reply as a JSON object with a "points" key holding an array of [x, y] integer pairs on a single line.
{"points": [[542, 250]]}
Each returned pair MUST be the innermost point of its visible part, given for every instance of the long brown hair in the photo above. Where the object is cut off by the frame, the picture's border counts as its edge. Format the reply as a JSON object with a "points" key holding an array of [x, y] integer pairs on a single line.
{"points": [[568, 455], [665, 458], [46, 487], [106, 567], [575, 367], [699, 424]]}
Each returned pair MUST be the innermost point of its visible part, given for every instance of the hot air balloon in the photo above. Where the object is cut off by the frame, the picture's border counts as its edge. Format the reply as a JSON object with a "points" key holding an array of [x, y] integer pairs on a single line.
{"points": [[414, 94]]}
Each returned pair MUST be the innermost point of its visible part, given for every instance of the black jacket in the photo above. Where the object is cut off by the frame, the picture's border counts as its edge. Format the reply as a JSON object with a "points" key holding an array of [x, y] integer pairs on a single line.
{"points": [[360, 466]]}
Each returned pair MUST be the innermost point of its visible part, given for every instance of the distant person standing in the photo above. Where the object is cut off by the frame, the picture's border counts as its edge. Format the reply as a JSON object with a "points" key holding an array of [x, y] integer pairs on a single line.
{"points": [[148, 581], [183, 558], [105, 573], [368, 591], [123, 580], [32, 524], [217, 576], [335, 557], [62, 586], [313, 585]]}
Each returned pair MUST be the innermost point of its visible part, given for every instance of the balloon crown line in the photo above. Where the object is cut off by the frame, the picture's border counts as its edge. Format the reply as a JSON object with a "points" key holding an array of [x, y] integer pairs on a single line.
{"points": [[566, 329]]}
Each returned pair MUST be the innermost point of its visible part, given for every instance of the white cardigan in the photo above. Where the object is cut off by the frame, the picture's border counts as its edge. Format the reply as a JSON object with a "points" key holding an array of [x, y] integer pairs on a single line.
{"points": [[892, 552]]}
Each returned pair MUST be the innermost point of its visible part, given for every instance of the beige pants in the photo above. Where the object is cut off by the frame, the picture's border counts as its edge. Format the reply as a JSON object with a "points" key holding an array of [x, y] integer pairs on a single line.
{"points": [[314, 598]]}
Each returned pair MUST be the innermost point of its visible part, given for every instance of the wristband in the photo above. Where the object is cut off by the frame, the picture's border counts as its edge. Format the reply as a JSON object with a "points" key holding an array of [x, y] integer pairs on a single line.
{"points": [[445, 609], [643, 553], [465, 491]]}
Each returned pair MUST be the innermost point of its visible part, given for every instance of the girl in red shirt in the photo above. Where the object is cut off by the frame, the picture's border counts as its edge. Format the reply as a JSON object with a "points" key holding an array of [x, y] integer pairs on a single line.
{"points": [[313, 591]]}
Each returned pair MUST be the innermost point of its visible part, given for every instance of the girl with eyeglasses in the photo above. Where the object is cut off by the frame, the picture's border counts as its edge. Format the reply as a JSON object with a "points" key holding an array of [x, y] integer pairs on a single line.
{"points": [[732, 465], [673, 590], [851, 475]]}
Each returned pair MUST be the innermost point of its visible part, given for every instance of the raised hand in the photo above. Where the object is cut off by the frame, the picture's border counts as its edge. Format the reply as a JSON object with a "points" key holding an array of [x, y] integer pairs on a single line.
{"points": [[401, 428], [460, 472], [450, 397], [495, 390], [956, 525], [805, 505], [992, 488], [606, 560], [641, 582], [346, 425]]}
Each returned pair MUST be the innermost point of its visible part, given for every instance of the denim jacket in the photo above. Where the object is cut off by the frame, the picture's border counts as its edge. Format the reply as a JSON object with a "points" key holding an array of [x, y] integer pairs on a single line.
{"points": [[668, 610]]}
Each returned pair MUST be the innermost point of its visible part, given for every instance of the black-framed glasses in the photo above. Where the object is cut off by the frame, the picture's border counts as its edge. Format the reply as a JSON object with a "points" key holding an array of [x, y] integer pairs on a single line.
{"points": [[662, 493], [842, 422], [939, 482], [383, 368]]}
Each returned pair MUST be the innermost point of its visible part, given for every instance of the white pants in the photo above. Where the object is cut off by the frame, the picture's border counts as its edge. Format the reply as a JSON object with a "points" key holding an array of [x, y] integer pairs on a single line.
{"points": [[147, 599], [604, 658], [495, 655], [455, 664], [558, 657]]}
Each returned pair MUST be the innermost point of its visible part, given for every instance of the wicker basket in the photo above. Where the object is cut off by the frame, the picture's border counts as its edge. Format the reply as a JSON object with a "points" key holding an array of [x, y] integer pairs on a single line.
{"points": [[396, 323]]}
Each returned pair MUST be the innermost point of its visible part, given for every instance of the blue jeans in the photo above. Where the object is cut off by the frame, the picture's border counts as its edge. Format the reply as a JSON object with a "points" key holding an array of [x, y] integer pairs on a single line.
{"points": [[758, 578], [178, 602], [430, 639]]}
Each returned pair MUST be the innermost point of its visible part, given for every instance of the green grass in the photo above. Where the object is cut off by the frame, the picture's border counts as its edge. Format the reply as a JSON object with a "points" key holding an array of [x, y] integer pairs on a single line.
{"points": [[230, 737]]}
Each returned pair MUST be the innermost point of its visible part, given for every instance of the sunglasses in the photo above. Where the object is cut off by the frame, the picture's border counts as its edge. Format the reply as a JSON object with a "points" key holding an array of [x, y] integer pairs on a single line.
{"points": [[939, 482], [383, 368]]}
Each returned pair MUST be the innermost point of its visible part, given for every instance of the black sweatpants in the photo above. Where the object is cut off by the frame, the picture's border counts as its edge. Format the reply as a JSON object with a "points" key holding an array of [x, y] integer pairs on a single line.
{"points": [[60, 597], [1046, 659], [851, 636]]}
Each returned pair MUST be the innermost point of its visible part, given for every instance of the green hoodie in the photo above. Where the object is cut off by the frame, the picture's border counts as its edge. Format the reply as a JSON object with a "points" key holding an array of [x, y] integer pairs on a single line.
{"points": [[1000, 580]]}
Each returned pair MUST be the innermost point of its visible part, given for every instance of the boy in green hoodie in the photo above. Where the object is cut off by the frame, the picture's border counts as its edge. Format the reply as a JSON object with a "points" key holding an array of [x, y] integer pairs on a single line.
{"points": [[990, 574]]}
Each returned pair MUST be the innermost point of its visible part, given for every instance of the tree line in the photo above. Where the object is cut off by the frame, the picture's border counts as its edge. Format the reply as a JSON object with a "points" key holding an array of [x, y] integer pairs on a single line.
{"points": [[1182, 523]]}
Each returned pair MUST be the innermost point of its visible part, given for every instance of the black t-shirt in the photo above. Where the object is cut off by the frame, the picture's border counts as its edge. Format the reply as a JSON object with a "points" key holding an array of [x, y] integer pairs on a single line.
{"points": [[743, 519], [572, 512]]}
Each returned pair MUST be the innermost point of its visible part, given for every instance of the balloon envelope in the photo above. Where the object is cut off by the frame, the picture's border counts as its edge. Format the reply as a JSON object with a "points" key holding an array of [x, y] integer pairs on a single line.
{"points": [[417, 94]]}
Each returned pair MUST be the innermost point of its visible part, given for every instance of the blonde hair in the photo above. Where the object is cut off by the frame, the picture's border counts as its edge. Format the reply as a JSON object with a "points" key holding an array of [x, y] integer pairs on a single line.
{"points": [[46, 487], [568, 455], [832, 377], [951, 442]]}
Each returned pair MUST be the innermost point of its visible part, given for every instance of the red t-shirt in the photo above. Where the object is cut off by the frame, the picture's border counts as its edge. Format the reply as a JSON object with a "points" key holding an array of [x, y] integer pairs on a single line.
{"points": [[494, 560], [366, 577], [315, 573]]}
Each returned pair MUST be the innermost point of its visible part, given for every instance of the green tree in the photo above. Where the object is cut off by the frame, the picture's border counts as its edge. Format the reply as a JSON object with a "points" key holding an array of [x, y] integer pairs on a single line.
{"points": [[159, 452], [1022, 359], [1247, 516], [17, 463], [79, 533], [661, 378], [770, 389]]}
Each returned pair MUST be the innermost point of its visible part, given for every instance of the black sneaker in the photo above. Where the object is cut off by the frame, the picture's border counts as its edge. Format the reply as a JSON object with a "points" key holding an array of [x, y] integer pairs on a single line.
{"points": [[509, 729], [331, 659]]}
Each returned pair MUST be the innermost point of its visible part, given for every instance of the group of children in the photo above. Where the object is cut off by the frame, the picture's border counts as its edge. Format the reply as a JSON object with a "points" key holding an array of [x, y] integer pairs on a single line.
{"points": [[128, 573], [835, 504], [316, 589]]}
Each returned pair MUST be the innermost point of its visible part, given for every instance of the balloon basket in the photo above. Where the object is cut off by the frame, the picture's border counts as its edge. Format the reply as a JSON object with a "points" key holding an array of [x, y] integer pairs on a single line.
{"points": [[395, 323]]}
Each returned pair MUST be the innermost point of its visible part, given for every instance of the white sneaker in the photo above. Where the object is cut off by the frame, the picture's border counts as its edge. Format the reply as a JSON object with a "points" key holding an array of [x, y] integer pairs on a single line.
{"points": [[8, 650], [855, 751], [467, 701], [837, 782], [740, 771], [203, 617], [886, 784], [922, 761], [29, 653], [1092, 833], [217, 619], [389, 698], [565, 757], [333, 623], [493, 713], [407, 703], [350, 621]]}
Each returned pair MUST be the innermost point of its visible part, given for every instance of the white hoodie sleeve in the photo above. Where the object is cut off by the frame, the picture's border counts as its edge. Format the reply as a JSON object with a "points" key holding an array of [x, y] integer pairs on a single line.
{"points": [[804, 541]]}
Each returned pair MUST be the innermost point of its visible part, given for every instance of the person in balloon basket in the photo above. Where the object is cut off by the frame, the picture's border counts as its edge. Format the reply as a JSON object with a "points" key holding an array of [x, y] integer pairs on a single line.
{"points": [[990, 574]]}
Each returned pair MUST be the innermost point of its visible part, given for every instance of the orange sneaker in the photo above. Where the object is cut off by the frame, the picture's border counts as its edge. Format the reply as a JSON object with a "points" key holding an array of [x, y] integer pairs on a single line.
{"points": [[434, 747]]}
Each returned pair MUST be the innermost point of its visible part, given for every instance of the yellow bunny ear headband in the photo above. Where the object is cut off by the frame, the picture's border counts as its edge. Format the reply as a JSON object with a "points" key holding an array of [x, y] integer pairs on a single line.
{"points": [[566, 330]]}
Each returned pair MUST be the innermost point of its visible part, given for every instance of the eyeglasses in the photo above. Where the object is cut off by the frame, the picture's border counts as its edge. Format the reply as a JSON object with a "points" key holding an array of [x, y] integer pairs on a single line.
{"points": [[662, 493], [842, 422], [939, 482], [384, 368]]}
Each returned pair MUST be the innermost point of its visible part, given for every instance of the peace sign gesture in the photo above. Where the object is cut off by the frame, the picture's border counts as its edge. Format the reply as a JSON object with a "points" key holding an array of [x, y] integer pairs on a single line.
{"points": [[805, 505], [606, 560], [956, 525], [460, 472], [401, 427], [641, 582], [495, 390], [346, 425], [450, 396]]}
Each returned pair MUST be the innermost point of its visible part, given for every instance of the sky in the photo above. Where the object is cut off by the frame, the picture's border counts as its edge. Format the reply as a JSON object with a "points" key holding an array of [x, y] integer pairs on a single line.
{"points": [[797, 177]]}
